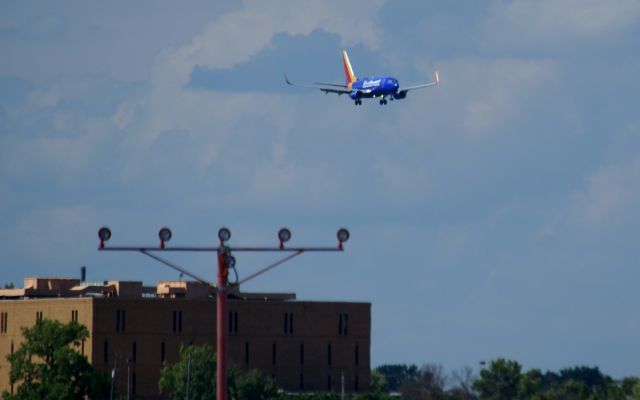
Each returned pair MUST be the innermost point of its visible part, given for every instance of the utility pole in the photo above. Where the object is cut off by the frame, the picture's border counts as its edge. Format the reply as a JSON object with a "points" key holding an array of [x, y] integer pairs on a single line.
{"points": [[113, 377], [226, 261], [189, 374]]}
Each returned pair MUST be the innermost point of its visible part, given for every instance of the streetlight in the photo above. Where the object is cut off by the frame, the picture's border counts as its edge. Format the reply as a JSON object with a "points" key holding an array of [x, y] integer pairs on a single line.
{"points": [[284, 235], [226, 261], [104, 234], [224, 234], [164, 235], [343, 236]]}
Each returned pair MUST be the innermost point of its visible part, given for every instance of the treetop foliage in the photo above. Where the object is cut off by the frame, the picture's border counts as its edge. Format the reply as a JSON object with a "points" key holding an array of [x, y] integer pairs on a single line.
{"points": [[47, 366], [504, 379]]}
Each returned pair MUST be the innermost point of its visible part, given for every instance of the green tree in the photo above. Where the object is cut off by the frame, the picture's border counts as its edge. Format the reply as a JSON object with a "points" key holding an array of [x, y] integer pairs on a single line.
{"points": [[429, 384], [631, 387], [397, 374], [378, 384], [501, 381], [253, 386], [463, 379], [198, 364], [47, 366], [635, 391]]}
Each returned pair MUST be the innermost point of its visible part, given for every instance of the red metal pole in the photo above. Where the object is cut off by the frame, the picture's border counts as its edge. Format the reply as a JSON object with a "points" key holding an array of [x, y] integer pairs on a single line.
{"points": [[222, 318]]}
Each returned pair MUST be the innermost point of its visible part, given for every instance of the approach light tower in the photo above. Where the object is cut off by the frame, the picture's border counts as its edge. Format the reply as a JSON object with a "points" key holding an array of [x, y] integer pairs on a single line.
{"points": [[226, 261]]}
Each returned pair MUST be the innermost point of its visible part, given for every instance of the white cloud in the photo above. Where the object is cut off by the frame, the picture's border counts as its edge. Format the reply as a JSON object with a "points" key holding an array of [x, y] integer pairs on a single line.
{"points": [[227, 41], [611, 198], [556, 23], [54, 232], [477, 98], [314, 186], [401, 182], [126, 112]]}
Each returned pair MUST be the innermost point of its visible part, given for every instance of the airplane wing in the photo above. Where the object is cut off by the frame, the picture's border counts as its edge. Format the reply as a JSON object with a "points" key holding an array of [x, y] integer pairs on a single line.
{"points": [[324, 87], [435, 81]]}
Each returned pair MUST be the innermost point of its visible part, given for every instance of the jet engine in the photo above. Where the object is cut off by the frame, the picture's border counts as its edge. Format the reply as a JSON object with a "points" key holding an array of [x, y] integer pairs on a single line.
{"points": [[400, 95], [355, 95]]}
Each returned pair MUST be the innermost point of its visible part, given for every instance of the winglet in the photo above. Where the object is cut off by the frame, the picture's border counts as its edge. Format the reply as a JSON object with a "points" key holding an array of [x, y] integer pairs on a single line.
{"points": [[286, 79], [437, 78]]}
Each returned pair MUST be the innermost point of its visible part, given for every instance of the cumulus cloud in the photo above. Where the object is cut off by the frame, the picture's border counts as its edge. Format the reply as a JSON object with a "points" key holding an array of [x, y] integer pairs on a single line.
{"points": [[554, 23], [171, 103], [482, 97], [52, 232], [611, 198]]}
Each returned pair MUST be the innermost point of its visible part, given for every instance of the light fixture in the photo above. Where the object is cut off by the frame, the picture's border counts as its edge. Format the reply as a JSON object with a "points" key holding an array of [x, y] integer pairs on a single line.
{"points": [[284, 235], [224, 234], [104, 234], [343, 236], [230, 261], [165, 235]]}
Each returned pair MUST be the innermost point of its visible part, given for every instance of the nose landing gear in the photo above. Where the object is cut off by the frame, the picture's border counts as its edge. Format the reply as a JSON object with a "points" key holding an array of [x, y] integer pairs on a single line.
{"points": [[383, 102], [358, 102]]}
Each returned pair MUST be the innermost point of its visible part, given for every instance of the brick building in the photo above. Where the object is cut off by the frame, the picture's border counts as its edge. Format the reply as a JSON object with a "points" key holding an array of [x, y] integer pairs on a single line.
{"points": [[304, 345]]}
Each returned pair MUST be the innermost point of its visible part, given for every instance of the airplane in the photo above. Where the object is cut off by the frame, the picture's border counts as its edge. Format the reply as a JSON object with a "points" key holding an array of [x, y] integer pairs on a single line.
{"points": [[385, 87]]}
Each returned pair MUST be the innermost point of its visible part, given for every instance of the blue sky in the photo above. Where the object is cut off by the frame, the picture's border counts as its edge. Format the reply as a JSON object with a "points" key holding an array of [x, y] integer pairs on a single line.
{"points": [[496, 215]]}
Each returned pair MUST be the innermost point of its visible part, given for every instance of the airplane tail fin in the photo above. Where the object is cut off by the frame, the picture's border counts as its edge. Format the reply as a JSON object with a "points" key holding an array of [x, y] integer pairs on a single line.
{"points": [[348, 71]]}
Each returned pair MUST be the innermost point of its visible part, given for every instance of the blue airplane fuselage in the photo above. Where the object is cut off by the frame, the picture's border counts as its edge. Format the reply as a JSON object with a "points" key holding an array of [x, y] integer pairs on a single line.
{"points": [[374, 87]]}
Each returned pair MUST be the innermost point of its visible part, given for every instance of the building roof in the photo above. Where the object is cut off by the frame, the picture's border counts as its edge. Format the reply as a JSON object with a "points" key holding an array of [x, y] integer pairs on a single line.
{"points": [[38, 287]]}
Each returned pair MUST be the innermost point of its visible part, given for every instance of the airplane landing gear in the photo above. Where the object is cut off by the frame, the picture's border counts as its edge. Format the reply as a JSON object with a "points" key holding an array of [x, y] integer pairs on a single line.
{"points": [[383, 102], [358, 102]]}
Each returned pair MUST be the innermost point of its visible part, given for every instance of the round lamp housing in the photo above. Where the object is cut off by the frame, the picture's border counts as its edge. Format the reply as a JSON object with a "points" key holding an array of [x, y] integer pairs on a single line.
{"points": [[224, 234], [104, 234], [165, 234], [230, 261], [343, 235], [284, 235]]}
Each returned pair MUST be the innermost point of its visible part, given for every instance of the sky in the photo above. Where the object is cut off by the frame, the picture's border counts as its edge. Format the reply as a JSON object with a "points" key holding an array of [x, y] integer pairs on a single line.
{"points": [[495, 215]]}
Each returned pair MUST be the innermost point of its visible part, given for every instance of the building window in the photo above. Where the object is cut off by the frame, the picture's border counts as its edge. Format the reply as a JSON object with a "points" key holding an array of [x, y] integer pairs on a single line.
{"points": [[3, 322], [177, 321], [343, 324], [233, 322], [38, 316], [246, 353], [134, 352], [106, 351], [288, 323], [273, 354], [82, 347], [12, 347], [162, 351], [357, 355], [74, 315], [301, 353], [329, 354], [120, 320]]}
